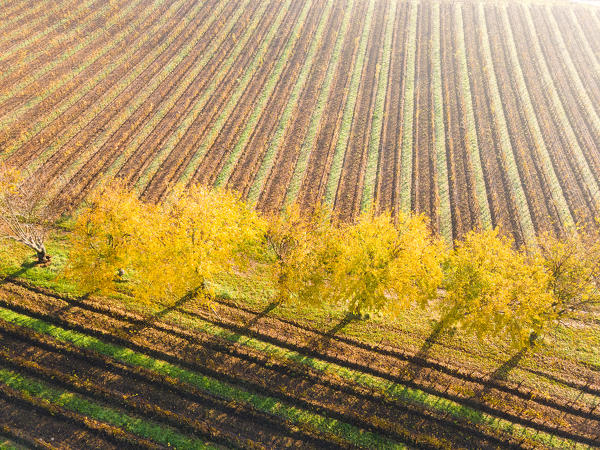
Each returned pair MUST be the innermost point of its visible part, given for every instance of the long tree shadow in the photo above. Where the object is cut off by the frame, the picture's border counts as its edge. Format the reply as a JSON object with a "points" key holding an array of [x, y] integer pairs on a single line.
{"points": [[137, 327], [416, 364], [17, 273], [322, 342], [270, 307], [502, 372]]}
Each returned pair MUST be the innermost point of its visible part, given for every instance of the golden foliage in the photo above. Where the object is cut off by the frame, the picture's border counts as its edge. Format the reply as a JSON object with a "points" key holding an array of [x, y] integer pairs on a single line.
{"points": [[573, 265], [299, 249], [495, 290], [384, 266], [167, 251]]}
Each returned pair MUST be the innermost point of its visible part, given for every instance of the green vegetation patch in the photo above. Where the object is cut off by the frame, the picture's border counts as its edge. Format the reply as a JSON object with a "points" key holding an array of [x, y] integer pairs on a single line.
{"points": [[270, 405], [68, 400]]}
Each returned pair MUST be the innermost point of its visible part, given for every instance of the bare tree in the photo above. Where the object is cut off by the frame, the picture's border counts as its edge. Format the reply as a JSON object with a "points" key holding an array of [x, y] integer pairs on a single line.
{"points": [[22, 213]]}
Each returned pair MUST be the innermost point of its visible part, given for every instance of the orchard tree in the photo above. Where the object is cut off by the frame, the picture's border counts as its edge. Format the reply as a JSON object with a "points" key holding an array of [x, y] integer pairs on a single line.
{"points": [[496, 290], [299, 252], [166, 252], [573, 265], [387, 265], [23, 217]]}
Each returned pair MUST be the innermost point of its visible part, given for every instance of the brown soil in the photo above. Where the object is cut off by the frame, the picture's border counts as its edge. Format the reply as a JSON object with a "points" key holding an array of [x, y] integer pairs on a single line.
{"points": [[218, 153], [502, 206], [275, 187], [253, 154], [574, 188], [350, 187], [327, 393], [323, 147], [388, 179], [176, 162]]}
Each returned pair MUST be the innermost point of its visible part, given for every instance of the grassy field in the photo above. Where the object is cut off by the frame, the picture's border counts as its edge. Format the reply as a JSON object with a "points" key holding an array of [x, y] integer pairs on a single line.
{"points": [[473, 112], [249, 373]]}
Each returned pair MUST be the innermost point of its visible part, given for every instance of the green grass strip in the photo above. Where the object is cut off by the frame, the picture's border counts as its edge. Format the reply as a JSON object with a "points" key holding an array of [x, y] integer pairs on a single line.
{"points": [[46, 68], [185, 123], [550, 89], [383, 69], [443, 188], [60, 41], [181, 87], [98, 77], [24, 29], [335, 170], [227, 110], [74, 71], [140, 427], [565, 55], [270, 405], [317, 113], [471, 130], [262, 100], [542, 151], [134, 103], [408, 111], [514, 178], [291, 107], [392, 390]]}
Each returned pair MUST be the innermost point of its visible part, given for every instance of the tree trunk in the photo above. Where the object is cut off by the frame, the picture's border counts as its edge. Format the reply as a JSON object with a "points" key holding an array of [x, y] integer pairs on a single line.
{"points": [[42, 256]]}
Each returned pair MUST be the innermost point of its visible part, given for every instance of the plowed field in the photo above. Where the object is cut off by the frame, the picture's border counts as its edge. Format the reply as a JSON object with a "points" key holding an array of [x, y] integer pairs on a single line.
{"points": [[91, 373], [475, 113]]}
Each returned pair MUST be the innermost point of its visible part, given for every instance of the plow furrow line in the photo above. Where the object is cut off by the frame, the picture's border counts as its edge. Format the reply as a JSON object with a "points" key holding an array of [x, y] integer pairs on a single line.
{"points": [[58, 103], [335, 169], [286, 118], [347, 369]]}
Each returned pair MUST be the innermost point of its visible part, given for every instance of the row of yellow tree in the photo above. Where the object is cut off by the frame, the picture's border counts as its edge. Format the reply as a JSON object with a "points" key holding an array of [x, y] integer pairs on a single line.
{"points": [[379, 263]]}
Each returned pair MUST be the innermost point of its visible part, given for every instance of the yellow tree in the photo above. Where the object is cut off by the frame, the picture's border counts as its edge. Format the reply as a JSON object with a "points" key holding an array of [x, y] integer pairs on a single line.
{"points": [[573, 265], [495, 290], [299, 251], [385, 265], [166, 252]]}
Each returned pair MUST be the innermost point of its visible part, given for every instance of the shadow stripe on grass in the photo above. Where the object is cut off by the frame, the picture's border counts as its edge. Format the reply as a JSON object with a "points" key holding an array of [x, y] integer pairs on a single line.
{"points": [[321, 423]]}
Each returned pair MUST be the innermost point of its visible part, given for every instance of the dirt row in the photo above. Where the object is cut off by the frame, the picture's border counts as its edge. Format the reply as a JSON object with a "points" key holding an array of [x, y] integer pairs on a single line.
{"points": [[46, 78], [288, 381], [99, 163], [36, 144], [57, 427], [139, 160], [350, 185], [575, 45], [424, 192], [323, 146], [274, 191], [463, 201], [36, 21], [587, 135], [51, 46], [179, 158], [573, 185], [487, 395], [78, 144], [539, 201], [219, 150], [502, 206], [254, 151], [390, 148], [146, 394], [441, 378]]}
